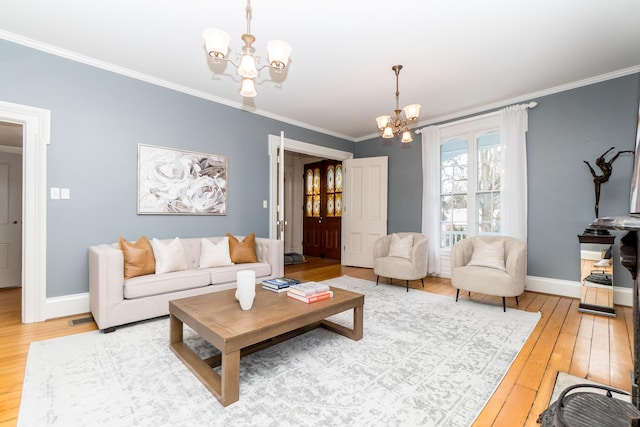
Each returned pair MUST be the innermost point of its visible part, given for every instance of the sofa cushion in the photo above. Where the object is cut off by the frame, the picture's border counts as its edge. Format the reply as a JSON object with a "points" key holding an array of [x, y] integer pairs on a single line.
{"points": [[169, 257], [138, 257], [221, 275], [157, 284], [214, 254], [243, 252]]}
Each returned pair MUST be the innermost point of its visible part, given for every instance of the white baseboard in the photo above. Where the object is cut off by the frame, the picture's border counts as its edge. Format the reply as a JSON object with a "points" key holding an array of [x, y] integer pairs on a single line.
{"points": [[70, 305], [67, 305], [569, 288]]}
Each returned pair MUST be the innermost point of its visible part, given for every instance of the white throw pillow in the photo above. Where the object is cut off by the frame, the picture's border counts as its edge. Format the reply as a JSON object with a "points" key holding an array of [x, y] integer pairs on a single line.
{"points": [[215, 254], [169, 257], [488, 254], [401, 247]]}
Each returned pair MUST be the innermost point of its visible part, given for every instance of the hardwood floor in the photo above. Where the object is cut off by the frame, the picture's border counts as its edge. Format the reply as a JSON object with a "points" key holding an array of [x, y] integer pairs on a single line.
{"points": [[585, 345]]}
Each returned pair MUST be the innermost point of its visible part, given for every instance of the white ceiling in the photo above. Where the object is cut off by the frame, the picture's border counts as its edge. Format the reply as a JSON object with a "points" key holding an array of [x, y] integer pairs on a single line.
{"points": [[458, 56]]}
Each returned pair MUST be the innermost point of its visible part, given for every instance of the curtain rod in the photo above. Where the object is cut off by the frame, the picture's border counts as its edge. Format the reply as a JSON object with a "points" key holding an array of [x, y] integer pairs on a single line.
{"points": [[532, 104]]}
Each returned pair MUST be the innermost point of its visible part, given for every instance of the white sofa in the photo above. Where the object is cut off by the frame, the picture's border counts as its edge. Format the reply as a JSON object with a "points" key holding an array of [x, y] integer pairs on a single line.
{"points": [[115, 301]]}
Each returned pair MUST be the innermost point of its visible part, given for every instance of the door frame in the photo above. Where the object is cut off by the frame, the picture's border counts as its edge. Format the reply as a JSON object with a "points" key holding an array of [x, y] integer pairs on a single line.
{"points": [[296, 147], [36, 133]]}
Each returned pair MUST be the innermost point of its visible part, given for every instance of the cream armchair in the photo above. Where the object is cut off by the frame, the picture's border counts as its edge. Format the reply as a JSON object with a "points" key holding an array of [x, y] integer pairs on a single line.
{"points": [[477, 265], [391, 259]]}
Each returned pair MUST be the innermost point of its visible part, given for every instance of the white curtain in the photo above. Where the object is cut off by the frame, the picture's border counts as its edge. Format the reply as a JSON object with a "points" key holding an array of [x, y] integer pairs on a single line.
{"points": [[513, 128], [431, 195]]}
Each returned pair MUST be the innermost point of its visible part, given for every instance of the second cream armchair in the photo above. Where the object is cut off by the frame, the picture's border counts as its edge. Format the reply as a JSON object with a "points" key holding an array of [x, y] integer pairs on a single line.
{"points": [[485, 274]]}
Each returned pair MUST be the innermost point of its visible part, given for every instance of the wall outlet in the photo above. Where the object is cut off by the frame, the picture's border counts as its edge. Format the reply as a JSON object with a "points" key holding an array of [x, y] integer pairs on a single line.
{"points": [[265, 204], [65, 193]]}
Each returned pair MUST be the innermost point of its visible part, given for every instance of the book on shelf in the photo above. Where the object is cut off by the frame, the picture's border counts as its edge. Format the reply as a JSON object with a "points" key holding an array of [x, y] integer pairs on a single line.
{"points": [[312, 298], [280, 282], [308, 288], [269, 288]]}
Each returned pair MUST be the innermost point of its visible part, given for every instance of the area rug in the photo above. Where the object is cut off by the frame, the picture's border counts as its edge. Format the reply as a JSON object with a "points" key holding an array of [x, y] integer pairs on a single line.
{"points": [[424, 360]]}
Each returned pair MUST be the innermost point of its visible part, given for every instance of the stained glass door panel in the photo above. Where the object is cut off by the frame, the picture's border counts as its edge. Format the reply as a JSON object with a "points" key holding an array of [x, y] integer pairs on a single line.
{"points": [[323, 209]]}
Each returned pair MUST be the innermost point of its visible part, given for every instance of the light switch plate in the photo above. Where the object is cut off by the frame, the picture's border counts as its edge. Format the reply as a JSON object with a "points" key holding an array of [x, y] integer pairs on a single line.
{"points": [[55, 193], [65, 193]]}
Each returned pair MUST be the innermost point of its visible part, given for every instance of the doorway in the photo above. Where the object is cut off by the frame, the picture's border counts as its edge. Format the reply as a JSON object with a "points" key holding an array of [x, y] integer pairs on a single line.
{"points": [[294, 153], [322, 223], [35, 124], [10, 205]]}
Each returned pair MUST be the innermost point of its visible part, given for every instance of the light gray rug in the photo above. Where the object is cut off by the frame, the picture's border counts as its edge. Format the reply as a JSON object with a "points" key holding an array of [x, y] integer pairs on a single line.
{"points": [[424, 360]]}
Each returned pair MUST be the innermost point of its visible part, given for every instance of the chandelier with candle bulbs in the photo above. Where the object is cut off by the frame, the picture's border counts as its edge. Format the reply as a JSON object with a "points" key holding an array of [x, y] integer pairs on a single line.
{"points": [[398, 124], [217, 45]]}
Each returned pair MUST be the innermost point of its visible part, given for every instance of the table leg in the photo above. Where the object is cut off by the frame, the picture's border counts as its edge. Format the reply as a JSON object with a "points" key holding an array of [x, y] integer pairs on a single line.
{"points": [[230, 377], [358, 322], [356, 333], [175, 329]]}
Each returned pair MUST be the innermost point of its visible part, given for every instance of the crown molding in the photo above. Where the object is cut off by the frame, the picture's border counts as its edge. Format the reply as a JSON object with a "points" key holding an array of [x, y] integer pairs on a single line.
{"points": [[179, 88], [534, 95], [523, 98], [34, 44]]}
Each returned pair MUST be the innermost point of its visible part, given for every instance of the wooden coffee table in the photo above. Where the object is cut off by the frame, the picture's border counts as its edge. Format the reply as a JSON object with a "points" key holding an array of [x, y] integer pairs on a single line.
{"points": [[273, 318]]}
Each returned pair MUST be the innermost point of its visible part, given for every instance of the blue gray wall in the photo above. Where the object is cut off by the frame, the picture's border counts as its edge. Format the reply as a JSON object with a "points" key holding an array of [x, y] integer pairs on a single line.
{"points": [[98, 118], [564, 129]]}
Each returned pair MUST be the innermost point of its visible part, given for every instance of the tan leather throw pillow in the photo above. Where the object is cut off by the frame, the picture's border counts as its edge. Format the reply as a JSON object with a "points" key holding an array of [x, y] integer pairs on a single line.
{"points": [[138, 257], [243, 252]]}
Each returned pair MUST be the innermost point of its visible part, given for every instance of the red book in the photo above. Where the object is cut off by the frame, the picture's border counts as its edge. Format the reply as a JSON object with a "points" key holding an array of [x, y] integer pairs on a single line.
{"points": [[313, 298]]}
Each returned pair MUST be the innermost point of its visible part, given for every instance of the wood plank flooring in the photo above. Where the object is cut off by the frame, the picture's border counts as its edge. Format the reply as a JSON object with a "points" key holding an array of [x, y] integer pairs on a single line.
{"points": [[586, 345]]}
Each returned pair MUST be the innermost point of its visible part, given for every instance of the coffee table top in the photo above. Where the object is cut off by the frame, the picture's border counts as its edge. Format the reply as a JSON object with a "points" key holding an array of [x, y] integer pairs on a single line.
{"points": [[218, 318]]}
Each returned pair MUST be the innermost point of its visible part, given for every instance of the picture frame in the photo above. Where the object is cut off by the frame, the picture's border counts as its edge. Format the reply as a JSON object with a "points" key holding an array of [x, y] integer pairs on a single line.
{"points": [[174, 181]]}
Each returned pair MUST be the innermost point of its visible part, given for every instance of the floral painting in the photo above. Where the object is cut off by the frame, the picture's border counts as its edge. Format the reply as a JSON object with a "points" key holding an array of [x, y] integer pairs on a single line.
{"points": [[181, 182]]}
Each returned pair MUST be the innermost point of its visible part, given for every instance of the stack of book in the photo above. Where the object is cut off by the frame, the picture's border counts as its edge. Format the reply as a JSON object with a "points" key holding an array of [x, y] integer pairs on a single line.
{"points": [[309, 292], [278, 284]]}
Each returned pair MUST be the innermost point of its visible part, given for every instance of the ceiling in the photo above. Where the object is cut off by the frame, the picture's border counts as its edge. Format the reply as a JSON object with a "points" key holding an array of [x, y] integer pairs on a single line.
{"points": [[459, 56]]}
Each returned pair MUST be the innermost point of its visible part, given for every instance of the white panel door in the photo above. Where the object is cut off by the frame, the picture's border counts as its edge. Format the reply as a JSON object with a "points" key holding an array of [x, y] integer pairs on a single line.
{"points": [[10, 220], [365, 209]]}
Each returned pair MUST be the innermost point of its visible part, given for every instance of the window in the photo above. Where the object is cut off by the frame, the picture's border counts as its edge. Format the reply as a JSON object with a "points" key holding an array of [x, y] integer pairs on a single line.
{"points": [[470, 179]]}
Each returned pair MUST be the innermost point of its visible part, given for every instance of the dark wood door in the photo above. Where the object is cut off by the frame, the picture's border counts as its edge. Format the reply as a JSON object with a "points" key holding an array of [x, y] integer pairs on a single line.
{"points": [[323, 209]]}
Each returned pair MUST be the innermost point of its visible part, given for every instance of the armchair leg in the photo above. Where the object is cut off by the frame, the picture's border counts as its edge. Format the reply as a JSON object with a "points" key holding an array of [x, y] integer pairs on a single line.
{"points": [[422, 280], [517, 303], [377, 278], [457, 294], [504, 304], [407, 286]]}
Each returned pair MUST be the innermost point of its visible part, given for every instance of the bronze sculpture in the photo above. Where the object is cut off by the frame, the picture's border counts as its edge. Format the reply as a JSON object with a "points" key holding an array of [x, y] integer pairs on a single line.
{"points": [[606, 168]]}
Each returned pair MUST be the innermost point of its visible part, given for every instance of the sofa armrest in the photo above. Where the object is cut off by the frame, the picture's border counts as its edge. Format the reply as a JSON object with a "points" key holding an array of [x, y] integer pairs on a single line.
{"points": [[106, 281], [271, 251]]}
